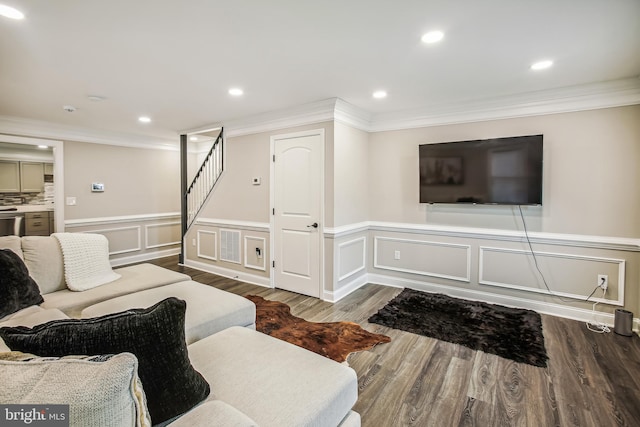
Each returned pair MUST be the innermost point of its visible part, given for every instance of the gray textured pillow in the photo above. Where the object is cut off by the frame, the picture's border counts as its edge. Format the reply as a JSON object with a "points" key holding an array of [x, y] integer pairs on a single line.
{"points": [[155, 335], [100, 390]]}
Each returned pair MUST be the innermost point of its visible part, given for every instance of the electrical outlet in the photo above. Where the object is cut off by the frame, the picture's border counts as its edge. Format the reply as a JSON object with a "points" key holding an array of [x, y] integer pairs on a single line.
{"points": [[603, 281], [397, 255], [193, 242]]}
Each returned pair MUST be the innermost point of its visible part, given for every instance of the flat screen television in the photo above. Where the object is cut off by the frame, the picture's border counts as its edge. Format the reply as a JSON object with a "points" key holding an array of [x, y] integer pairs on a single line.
{"points": [[499, 171]]}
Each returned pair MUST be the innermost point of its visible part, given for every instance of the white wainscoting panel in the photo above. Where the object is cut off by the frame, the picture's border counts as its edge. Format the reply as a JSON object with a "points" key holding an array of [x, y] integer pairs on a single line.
{"points": [[162, 234], [351, 257], [122, 240], [426, 258], [251, 259], [207, 244], [567, 275]]}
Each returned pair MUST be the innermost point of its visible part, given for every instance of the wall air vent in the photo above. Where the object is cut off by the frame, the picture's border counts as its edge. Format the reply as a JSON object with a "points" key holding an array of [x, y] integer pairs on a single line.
{"points": [[230, 246]]}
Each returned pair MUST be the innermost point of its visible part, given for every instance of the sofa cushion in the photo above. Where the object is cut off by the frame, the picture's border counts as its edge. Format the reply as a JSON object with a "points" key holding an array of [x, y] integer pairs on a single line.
{"points": [[282, 384], [209, 310], [43, 257], [214, 413], [17, 289], [100, 390], [30, 316], [133, 278], [13, 243], [154, 335]]}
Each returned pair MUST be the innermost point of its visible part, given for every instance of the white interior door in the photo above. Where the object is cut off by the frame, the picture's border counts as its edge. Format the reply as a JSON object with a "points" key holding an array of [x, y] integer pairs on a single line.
{"points": [[297, 212]]}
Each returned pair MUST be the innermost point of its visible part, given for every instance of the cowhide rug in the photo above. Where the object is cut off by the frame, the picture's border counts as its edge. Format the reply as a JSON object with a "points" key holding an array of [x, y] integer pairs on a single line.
{"points": [[335, 340], [511, 333]]}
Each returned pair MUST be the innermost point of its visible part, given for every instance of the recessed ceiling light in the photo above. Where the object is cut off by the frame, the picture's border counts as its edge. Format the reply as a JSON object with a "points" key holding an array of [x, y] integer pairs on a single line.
{"points": [[44, 147], [96, 98], [144, 119], [235, 91], [9, 12], [193, 138], [379, 94], [432, 37], [541, 65]]}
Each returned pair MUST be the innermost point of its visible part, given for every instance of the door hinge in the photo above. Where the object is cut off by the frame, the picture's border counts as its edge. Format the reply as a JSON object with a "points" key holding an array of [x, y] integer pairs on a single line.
{"points": [[274, 157], [273, 211], [273, 264]]}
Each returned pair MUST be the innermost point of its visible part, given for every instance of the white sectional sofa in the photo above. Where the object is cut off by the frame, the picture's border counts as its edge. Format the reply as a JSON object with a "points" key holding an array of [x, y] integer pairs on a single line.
{"points": [[255, 380]]}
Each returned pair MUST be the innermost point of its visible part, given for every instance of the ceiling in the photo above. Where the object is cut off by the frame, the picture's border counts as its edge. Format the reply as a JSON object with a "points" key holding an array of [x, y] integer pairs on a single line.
{"points": [[174, 61]]}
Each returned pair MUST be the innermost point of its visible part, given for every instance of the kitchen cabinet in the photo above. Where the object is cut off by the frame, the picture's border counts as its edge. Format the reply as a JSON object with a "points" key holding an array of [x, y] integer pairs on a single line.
{"points": [[21, 177], [31, 177], [37, 223], [9, 176]]}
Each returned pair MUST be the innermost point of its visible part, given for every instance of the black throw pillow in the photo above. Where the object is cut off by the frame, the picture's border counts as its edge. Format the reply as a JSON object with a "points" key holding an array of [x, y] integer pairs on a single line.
{"points": [[17, 289], [155, 335]]}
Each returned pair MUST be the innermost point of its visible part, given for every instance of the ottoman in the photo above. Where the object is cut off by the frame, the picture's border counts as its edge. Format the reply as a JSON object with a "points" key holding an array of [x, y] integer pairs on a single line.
{"points": [[275, 383], [209, 310]]}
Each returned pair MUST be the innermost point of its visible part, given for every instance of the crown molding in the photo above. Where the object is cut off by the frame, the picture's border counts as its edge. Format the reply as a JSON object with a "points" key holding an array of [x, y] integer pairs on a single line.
{"points": [[41, 129], [352, 116], [615, 93], [315, 112]]}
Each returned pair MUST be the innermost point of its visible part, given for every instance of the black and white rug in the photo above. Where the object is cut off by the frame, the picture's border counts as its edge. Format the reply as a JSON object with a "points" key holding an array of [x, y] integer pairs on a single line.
{"points": [[511, 333]]}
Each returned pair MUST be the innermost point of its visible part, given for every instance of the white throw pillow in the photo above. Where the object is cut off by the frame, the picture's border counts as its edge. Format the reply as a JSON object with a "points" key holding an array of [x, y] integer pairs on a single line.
{"points": [[101, 391]]}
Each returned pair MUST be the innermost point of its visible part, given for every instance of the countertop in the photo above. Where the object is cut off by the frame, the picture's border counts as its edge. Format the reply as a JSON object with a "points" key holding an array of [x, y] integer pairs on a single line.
{"points": [[29, 208]]}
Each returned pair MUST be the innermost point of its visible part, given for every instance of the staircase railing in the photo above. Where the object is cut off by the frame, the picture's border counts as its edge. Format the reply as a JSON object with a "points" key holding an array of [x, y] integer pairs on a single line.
{"points": [[197, 193]]}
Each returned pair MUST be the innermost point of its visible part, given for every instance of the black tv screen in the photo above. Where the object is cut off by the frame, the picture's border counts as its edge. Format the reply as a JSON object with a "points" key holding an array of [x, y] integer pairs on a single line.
{"points": [[502, 171]]}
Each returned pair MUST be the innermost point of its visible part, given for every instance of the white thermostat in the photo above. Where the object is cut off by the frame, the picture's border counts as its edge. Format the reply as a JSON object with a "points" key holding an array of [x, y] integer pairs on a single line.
{"points": [[97, 187]]}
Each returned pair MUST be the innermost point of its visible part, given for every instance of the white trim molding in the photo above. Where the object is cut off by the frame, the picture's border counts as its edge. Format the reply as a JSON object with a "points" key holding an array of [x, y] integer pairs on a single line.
{"points": [[363, 263], [87, 222], [547, 238], [621, 264], [105, 231], [42, 129], [343, 291], [467, 248], [262, 267], [242, 225], [227, 272], [590, 96], [116, 262], [544, 307], [199, 253], [159, 245]]}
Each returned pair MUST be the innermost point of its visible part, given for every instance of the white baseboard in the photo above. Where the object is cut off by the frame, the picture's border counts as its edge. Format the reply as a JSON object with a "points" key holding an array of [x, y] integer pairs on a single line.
{"points": [[116, 262], [227, 272], [345, 290], [553, 309]]}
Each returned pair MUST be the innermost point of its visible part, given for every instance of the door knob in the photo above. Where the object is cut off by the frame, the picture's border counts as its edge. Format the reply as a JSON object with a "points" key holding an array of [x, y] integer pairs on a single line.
{"points": [[314, 225]]}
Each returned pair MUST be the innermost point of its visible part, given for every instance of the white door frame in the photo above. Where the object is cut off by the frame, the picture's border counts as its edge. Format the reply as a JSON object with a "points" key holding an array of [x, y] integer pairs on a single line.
{"points": [[58, 172], [274, 138]]}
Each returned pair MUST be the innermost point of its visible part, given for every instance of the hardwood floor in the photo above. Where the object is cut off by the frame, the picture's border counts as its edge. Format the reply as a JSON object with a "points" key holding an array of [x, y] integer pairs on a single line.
{"points": [[591, 379]]}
